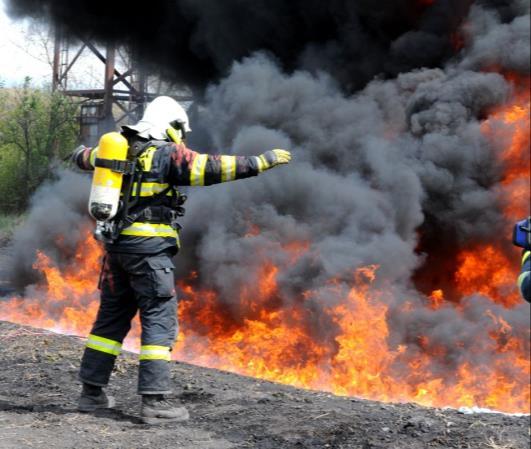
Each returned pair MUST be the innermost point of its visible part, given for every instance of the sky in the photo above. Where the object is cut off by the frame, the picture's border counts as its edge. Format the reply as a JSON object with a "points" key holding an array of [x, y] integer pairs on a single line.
{"points": [[23, 52], [20, 54]]}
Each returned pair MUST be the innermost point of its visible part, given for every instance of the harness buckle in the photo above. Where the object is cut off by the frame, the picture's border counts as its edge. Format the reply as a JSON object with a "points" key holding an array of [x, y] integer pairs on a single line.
{"points": [[148, 213], [125, 167], [118, 166], [174, 216], [104, 232]]}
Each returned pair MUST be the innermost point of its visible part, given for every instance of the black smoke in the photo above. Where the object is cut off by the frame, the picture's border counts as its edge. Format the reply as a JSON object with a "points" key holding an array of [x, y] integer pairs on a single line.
{"points": [[196, 42]]}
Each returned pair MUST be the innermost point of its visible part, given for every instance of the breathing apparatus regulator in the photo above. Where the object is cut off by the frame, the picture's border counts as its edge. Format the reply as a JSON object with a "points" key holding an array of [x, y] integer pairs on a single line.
{"points": [[522, 234], [117, 171]]}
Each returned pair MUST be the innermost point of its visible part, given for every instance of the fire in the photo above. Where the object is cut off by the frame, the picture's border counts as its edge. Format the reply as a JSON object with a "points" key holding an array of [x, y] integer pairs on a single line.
{"points": [[357, 358], [346, 347], [489, 271], [70, 293], [274, 340], [436, 299]]}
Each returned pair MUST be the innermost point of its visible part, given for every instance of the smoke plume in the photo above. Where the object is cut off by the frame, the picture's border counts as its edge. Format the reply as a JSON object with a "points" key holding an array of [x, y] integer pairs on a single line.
{"points": [[197, 41]]}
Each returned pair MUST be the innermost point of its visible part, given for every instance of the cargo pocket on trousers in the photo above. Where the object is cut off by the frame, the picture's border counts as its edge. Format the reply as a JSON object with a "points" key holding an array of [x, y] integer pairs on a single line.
{"points": [[162, 276]]}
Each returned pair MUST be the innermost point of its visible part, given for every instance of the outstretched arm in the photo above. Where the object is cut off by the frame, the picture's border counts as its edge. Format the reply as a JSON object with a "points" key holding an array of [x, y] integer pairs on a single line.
{"points": [[84, 157], [194, 169]]}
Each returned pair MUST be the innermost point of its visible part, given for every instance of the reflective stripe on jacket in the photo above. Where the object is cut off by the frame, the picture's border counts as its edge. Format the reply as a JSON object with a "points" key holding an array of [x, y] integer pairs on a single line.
{"points": [[524, 280]]}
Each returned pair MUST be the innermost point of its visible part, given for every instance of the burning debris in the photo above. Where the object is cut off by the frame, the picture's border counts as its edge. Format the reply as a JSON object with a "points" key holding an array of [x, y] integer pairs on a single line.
{"points": [[382, 266]]}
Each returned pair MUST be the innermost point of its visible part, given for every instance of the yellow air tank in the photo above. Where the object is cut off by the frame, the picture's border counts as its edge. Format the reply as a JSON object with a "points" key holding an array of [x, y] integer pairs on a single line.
{"points": [[106, 183]]}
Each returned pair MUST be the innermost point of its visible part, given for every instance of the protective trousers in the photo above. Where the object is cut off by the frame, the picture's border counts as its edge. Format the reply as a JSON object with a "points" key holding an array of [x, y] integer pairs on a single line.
{"points": [[128, 283]]}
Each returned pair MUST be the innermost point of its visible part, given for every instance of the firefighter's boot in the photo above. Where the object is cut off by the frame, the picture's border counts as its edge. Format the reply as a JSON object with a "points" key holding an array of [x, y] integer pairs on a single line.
{"points": [[157, 410], [93, 398]]}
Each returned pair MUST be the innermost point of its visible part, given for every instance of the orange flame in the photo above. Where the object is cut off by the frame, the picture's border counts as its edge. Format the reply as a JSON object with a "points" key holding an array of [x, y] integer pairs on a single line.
{"points": [[70, 294], [273, 340], [487, 270], [436, 299]]}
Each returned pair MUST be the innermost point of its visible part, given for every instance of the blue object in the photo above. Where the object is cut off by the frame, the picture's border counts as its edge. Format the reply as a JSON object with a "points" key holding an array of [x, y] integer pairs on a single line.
{"points": [[522, 234]]}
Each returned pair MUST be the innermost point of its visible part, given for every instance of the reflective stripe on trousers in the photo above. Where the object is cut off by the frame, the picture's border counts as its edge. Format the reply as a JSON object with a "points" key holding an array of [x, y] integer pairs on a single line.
{"points": [[105, 345], [154, 352]]}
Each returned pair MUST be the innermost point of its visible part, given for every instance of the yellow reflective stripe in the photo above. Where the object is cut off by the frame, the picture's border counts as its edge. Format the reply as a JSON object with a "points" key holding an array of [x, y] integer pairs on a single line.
{"points": [[103, 345], [526, 256], [150, 230], [228, 168], [522, 277], [197, 174], [150, 188], [92, 156], [152, 352], [146, 158], [262, 163]]}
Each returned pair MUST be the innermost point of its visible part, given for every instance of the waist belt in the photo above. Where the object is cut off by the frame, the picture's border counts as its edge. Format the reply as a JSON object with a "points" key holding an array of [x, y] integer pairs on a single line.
{"points": [[157, 214]]}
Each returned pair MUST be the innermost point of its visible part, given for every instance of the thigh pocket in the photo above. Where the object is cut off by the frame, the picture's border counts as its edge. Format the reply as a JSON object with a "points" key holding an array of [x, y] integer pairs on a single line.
{"points": [[162, 276]]}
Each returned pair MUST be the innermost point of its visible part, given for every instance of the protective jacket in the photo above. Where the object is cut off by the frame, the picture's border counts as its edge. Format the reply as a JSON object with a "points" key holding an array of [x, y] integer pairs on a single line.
{"points": [[166, 164], [524, 280]]}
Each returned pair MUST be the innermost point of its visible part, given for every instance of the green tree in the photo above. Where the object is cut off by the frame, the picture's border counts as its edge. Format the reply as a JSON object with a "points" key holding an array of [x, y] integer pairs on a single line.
{"points": [[37, 127]]}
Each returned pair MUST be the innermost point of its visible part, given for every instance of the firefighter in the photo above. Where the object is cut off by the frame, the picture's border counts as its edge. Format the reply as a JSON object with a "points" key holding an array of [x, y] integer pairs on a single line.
{"points": [[137, 272]]}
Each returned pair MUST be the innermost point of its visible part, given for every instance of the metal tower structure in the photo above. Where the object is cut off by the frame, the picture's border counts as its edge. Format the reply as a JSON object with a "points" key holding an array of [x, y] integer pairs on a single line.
{"points": [[121, 98]]}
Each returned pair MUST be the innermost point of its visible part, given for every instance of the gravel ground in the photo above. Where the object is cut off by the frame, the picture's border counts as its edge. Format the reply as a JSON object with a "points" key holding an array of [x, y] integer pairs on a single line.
{"points": [[38, 393]]}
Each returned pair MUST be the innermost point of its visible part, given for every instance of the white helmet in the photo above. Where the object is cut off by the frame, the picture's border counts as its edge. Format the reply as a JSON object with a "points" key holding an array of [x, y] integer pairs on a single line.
{"points": [[161, 114]]}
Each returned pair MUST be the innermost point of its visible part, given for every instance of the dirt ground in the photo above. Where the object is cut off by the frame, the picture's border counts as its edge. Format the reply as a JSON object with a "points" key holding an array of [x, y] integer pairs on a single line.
{"points": [[38, 393]]}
